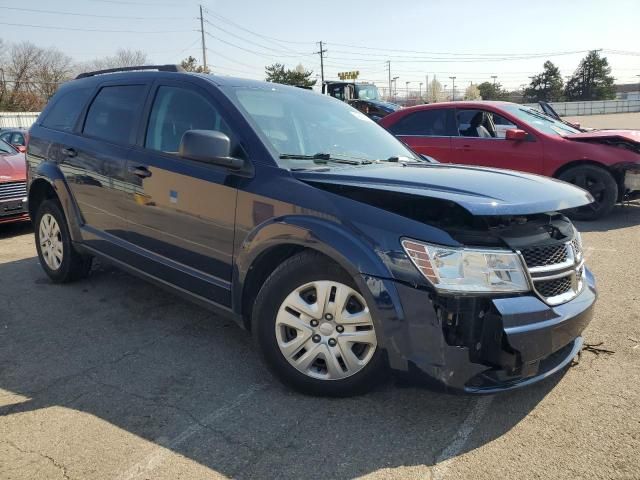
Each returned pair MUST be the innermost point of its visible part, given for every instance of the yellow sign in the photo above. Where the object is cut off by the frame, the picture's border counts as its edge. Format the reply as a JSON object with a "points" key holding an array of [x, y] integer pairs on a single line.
{"points": [[348, 75]]}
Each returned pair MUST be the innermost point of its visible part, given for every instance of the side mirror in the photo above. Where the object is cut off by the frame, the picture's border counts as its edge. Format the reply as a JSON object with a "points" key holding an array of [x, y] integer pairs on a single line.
{"points": [[21, 148], [516, 134], [209, 146]]}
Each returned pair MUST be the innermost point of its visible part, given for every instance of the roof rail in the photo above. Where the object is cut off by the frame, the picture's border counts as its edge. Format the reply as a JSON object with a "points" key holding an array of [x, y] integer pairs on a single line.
{"points": [[159, 68]]}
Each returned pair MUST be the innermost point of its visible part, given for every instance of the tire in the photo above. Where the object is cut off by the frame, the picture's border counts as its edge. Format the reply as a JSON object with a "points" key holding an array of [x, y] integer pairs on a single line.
{"points": [[599, 183], [330, 364], [61, 262]]}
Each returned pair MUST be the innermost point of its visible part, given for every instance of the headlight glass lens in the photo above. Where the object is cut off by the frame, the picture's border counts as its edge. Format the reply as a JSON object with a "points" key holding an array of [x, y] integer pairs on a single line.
{"points": [[467, 270]]}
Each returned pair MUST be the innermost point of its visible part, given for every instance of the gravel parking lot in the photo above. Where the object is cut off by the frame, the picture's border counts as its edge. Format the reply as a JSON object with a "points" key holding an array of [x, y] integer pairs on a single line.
{"points": [[112, 378]]}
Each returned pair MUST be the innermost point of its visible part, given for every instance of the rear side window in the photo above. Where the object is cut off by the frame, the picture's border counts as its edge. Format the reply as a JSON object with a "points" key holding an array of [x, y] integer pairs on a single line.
{"points": [[176, 110], [113, 113], [65, 111], [437, 123]]}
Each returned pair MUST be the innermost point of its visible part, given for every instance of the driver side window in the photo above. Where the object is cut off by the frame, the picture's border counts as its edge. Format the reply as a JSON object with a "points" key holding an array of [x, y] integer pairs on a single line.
{"points": [[176, 110], [482, 124]]}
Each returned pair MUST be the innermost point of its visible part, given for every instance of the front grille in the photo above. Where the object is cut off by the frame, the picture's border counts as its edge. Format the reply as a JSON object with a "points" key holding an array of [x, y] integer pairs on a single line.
{"points": [[555, 287], [555, 270], [12, 190], [543, 256]]}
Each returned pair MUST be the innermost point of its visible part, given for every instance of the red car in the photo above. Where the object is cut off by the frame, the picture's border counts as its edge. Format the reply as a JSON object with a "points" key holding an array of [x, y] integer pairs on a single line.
{"points": [[508, 135], [13, 189]]}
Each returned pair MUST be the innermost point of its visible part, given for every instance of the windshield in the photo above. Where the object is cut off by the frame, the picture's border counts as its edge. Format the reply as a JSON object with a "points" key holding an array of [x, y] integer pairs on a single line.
{"points": [[540, 121], [367, 92], [6, 148], [297, 122]]}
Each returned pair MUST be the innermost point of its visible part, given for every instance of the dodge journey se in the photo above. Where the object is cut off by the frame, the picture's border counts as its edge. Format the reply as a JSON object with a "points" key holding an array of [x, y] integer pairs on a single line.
{"points": [[346, 254]]}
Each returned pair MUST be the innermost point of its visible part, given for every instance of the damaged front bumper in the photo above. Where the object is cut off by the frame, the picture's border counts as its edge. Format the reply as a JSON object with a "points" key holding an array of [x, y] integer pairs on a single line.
{"points": [[479, 344]]}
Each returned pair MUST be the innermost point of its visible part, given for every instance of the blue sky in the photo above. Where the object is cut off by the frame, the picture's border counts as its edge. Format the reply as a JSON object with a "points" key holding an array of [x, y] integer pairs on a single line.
{"points": [[469, 39]]}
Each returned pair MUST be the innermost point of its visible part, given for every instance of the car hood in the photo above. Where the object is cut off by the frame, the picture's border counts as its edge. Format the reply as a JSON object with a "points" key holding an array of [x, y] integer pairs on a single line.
{"points": [[12, 167], [481, 191], [622, 135]]}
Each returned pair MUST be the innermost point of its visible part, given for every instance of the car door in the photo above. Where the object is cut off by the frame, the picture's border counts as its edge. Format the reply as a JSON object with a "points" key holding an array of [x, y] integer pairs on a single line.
{"points": [[485, 144], [181, 212], [94, 163], [428, 132]]}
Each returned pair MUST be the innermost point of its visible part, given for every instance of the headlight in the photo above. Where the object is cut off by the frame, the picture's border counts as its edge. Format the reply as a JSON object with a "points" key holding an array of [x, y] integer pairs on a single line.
{"points": [[468, 270]]}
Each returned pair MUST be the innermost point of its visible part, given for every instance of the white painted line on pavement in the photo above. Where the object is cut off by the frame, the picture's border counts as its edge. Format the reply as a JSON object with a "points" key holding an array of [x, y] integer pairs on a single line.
{"points": [[160, 453], [446, 457]]}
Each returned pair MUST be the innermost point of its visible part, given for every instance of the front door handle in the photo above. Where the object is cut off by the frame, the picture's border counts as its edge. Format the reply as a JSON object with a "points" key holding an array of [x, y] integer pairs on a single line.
{"points": [[69, 152], [140, 171]]}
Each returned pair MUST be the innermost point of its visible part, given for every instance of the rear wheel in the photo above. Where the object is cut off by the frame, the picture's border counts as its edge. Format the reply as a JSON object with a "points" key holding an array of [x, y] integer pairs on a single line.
{"points": [[599, 183], [315, 329], [61, 262]]}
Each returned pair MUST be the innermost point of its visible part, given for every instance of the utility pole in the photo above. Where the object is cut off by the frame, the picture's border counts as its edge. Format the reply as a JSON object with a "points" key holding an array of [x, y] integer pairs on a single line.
{"points": [[321, 53], [453, 89], [204, 47], [389, 71], [426, 89]]}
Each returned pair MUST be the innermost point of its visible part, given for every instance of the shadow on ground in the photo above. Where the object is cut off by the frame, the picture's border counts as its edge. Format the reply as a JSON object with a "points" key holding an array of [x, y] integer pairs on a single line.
{"points": [[165, 371], [622, 216], [14, 229]]}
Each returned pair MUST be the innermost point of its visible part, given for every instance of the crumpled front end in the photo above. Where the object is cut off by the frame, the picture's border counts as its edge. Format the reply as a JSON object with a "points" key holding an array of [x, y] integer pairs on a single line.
{"points": [[477, 344]]}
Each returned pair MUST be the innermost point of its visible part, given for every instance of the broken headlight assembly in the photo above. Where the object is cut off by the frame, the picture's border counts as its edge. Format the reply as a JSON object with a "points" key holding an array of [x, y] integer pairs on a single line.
{"points": [[468, 270]]}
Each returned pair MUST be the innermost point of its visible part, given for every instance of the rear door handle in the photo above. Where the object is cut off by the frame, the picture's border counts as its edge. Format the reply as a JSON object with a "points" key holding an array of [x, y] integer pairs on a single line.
{"points": [[140, 171], [69, 152]]}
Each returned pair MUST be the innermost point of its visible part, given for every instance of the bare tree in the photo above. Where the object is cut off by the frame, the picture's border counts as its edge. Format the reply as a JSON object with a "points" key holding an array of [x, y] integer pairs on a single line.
{"points": [[20, 66], [123, 58], [52, 69]]}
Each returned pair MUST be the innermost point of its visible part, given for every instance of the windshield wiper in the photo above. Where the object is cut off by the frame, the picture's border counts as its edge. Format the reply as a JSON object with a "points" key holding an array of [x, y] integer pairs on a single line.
{"points": [[322, 158]]}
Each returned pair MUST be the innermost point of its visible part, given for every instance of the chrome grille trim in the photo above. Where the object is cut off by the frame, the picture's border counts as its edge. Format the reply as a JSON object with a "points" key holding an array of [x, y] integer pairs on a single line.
{"points": [[13, 190], [546, 279]]}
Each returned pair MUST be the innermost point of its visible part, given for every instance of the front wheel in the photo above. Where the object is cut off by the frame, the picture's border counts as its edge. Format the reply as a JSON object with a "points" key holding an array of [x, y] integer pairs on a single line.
{"points": [[599, 183], [58, 258], [315, 329]]}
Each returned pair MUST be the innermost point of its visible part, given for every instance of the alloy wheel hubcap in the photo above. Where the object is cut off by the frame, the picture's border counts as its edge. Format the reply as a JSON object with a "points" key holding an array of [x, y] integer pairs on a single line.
{"points": [[50, 240], [324, 329]]}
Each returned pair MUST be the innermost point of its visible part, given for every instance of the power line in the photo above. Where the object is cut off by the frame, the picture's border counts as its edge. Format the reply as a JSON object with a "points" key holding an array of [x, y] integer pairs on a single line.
{"points": [[119, 17], [251, 42], [48, 27], [266, 37]]}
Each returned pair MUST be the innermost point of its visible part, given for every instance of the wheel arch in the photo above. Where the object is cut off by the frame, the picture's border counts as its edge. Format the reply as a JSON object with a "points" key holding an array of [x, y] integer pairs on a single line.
{"points": [[48, 182], [268, 246], [617, 174]]}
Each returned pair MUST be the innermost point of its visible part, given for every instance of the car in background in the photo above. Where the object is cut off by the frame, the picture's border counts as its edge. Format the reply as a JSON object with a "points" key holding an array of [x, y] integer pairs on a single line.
{"points": [[13, 189], [17, 137], [606, 163]]}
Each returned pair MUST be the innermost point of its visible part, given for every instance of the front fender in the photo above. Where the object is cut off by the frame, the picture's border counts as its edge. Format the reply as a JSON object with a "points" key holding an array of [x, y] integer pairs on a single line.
{"points": [[50, 173], [346, 248]]}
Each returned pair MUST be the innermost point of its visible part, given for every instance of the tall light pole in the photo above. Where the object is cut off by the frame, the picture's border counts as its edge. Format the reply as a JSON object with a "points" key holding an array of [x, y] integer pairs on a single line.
{"points": [[494, 79], [453, 89], [395, 83], [407, 85], [420, 90]]}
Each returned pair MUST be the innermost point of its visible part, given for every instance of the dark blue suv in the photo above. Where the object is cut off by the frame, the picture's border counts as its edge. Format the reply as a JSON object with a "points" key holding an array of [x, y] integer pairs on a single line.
{"points": [[345, 253]]}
